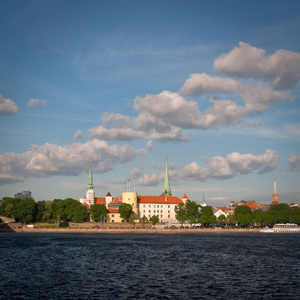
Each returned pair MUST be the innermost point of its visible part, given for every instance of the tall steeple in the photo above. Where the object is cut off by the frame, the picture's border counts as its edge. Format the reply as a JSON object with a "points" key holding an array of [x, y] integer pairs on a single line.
{"points": [[275, 199], [166, 189], [90, 184], [203, 203]]}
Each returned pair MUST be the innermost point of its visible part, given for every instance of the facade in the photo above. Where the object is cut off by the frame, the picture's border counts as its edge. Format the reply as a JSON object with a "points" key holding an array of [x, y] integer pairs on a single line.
{"points": [[23, 195], [162, 206], [275, 198]]}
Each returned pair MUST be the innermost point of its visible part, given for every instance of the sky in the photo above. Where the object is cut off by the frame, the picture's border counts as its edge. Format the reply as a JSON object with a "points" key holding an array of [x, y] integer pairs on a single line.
{"points": [[212, 85]]}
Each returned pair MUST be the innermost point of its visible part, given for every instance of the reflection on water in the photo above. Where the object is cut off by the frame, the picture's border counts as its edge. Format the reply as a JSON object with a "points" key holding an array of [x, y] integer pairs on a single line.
{"points": [[115, 266]]}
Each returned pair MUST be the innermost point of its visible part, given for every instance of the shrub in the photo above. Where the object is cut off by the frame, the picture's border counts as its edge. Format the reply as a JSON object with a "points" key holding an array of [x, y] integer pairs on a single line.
{"points": [[64, 224]]}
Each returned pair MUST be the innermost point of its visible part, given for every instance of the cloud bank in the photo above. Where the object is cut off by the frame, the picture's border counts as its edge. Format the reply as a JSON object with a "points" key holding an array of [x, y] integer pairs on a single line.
{"points": [[70, 160], [233, 164], [260, 82]]}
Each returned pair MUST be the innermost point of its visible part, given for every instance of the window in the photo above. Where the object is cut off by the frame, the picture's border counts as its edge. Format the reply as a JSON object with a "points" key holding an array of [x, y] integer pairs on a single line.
{"points": [[143, 211], [149, 205], [168, 206], [132, 204], [113, 221], [161, 211], [168, 216], [168, 211], [149, 211], [161, 206], [144, 205], [154, 205], [112, 216], [154, 211], [161, 216]]}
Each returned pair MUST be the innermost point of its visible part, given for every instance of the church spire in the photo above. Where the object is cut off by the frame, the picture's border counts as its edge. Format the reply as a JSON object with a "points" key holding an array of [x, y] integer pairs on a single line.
{"points": [[90, 184], [275, 198], [166, 189]]}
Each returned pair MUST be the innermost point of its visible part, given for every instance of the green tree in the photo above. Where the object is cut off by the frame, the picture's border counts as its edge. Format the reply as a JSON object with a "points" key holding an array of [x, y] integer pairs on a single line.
{"points": [[25, 211], [98, 212], [222, 219], [125, 211], [58, 210], [154, 219], [192, 211], [74, 210], [131, 220], [180, 213], [144, 220], [243, 215], [40, 206], [207, 216]]}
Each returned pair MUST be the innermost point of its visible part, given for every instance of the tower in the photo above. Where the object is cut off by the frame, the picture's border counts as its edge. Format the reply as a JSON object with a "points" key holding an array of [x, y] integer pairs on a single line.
{"points": [[275, 199], [166, 189], [203, 203], [90, 194]]}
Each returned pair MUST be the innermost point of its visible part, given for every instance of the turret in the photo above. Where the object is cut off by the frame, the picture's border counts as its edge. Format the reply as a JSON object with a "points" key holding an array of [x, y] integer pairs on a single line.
{"points": [[90, 194]]}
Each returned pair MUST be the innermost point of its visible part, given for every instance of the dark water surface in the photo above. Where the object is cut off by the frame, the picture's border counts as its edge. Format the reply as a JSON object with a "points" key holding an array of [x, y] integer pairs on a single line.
{"points": [[142, 266]]}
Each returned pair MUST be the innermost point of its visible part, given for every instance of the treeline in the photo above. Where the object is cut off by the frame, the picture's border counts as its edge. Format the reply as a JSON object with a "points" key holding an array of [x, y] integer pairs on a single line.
{"points": [[46, 211], [243, 216]]}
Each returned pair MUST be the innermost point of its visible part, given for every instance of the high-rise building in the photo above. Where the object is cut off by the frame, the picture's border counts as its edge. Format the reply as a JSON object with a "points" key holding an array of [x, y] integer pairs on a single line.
{"points": [[275, 199], [23, 195]]}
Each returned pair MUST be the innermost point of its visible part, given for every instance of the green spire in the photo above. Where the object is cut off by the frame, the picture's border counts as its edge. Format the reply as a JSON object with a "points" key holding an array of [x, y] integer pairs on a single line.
{"points": [[166, 189], [203, 201], [90, 184]]}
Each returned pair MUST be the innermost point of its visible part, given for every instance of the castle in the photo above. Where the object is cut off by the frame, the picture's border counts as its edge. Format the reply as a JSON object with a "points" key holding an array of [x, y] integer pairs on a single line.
{"points": [[162, 206]]}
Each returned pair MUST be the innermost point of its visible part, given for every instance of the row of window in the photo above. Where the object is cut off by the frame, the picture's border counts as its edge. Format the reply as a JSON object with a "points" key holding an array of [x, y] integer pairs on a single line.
{"points": [[161, 216], [156, 205]]}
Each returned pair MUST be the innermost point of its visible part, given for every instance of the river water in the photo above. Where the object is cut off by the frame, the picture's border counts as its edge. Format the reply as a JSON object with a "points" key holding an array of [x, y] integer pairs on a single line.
{"points": [[145, 266]]}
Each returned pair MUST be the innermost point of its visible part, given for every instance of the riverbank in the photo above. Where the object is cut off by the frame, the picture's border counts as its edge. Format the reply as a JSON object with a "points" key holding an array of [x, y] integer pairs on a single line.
{"points": [[10, 228]]}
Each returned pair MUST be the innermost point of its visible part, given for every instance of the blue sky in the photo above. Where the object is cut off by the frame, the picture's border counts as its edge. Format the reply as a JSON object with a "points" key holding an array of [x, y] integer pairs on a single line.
{"points": [[212, 84]]}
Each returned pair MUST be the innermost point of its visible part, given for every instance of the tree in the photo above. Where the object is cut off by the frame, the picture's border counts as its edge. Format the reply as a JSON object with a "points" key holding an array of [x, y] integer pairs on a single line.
{"points": [[180, 213], [222, 219], [243, 215], [154, 219], [25, 211], [74, 210], [125, 211], [58, 212], [98, 212], [192, 211], [144, 220], [207, 216]]}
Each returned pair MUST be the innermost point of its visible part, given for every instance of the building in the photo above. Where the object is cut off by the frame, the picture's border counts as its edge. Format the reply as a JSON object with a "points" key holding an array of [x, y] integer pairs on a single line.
{"points": [[23, 195], [275, 198], [162, 206]]}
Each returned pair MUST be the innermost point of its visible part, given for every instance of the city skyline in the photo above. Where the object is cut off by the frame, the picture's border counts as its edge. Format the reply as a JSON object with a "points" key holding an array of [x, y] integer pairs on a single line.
{"points": [[212, 85]]}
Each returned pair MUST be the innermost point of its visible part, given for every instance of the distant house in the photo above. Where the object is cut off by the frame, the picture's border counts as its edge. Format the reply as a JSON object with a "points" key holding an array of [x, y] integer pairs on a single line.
{"points": [[23, 195]]}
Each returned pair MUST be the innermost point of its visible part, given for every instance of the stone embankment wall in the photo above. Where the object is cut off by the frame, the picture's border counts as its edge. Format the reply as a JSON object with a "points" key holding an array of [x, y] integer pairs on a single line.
{"points": [[114, 228]]}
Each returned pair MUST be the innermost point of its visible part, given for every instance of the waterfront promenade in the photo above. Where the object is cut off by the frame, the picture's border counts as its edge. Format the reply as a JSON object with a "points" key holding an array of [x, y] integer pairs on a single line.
{"points": [[116, 228]]}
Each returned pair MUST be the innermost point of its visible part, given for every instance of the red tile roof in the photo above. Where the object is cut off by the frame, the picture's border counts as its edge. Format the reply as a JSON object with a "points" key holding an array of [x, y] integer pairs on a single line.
{"points": [[185, 196], [113, 210], [252, 205], [100, 201], [159, 199]]}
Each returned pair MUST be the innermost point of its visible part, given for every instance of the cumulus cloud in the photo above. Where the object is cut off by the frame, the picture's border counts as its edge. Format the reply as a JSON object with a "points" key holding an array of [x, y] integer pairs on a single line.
{"points": [[51, 159], [294, 162], [7, 106], [135, 173], [232, 165], [149, 180], [282, 68], [78, 135], [165, 116], [36, 102]]}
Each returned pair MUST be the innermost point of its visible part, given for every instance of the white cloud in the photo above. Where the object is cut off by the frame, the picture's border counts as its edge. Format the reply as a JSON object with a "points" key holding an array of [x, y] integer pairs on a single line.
{"points": [[135, 173], [70, 160], [149, 180], [7, 106], [281, 68], [233, 165], [294, 162], [164, 116], [78, 135], [36, 102]]}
